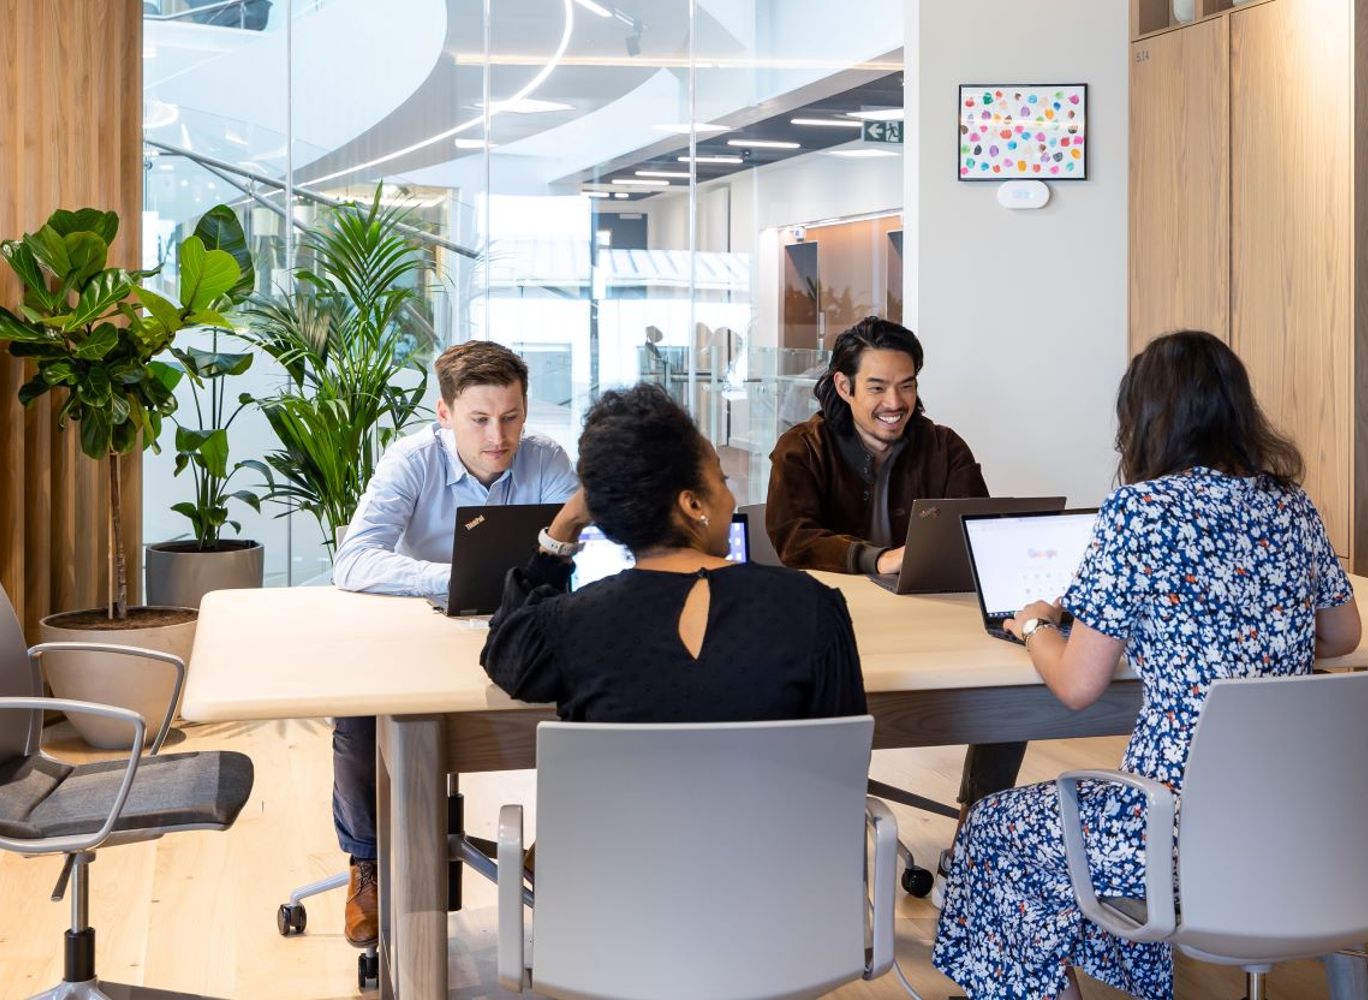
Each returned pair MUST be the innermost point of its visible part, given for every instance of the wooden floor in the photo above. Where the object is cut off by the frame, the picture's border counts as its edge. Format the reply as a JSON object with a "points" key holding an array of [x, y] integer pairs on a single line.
{"points": [[195, 913]]}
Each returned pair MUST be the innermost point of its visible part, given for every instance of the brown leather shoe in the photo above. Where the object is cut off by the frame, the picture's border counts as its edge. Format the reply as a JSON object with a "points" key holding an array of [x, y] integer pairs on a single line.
{"points": [[362, 921]]}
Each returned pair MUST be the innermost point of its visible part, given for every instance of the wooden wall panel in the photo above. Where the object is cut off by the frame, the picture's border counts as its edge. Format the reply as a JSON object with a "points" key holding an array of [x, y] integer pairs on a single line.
{"points": [[70, 136], [1292, 82], [1179, 170]]}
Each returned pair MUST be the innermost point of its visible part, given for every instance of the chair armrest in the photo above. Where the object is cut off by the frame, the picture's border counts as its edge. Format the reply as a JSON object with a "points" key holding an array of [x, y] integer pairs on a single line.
{"points": [[884, 826], [512, 969], [78, 842], [1160, 915], [36, 653]]}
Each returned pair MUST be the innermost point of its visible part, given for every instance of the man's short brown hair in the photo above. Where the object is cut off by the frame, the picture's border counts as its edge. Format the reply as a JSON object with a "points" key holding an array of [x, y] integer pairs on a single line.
{"points": [[478, 362]]}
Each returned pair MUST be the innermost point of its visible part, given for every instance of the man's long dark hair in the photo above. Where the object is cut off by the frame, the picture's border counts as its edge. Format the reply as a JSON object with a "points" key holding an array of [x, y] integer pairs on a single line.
{"points": [[1186, 400], [871, 333]]}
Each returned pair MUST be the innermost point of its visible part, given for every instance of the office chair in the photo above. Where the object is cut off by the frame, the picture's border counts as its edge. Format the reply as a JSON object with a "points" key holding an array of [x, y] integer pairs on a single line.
{"points": [[713, 860], [916, 880], [1275, 772], [50, 807]]}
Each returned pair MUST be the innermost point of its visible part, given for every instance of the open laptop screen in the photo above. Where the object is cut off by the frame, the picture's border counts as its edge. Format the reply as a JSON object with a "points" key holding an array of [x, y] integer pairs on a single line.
{"points": [[1020, 559], [602, 557]]}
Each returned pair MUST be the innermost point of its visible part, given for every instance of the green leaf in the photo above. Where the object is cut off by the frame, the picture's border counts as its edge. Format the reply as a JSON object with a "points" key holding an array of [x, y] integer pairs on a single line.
{"points": [[27, 349], [219, 229], [124, 437], [104, 291], [50, 250], [96, 433], [25, 265], [249, 498], [105, 225], [119, 408], [190, 511], [32, 389], [87, 253], [205, 274], [188, 439], [215, 453], [167, 376], [209, 317], [14, 328], [95, 388], [59, 372], [182, 460], [100, 342], [163, 311], [210, 364]]}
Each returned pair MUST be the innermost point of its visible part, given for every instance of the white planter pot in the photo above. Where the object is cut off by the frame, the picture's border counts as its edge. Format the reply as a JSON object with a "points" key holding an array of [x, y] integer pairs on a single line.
{"points": [[138, 683], [179, 574]]}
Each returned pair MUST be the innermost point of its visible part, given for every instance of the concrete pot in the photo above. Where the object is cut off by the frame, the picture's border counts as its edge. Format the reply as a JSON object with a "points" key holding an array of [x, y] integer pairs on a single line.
{"points": [[138, 683], [179, 574]]}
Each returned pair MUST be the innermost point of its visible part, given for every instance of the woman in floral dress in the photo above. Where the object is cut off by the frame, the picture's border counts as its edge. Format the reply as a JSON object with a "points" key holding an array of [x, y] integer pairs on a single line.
{"points": [[1210, 563]]}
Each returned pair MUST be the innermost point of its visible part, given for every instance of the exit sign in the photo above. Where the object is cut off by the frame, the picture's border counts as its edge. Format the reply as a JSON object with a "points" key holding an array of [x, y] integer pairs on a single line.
{"points": [[882, 132]]}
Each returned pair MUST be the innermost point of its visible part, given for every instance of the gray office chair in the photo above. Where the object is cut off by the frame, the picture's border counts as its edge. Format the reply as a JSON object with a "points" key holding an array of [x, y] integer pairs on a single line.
{"points": [[1276, 771], [50, 807], [683, 861]]}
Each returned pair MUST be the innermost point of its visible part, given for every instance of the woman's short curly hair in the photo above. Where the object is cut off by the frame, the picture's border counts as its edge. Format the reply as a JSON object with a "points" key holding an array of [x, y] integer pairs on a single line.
{"points": [[638, 452]]}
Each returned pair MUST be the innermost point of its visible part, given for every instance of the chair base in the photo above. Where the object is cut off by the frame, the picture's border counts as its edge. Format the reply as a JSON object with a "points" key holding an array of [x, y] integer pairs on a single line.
{"points": [[93, 989]]}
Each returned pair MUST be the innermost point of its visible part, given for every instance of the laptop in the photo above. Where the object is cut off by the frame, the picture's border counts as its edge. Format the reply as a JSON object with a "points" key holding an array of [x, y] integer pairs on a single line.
{"points": [[934, 560], [602, 557], [759, 548], [486, 544], [1021, 558]]}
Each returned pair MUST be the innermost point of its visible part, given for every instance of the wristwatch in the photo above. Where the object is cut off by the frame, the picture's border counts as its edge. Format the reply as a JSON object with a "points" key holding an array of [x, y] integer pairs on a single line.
{"points": [[557, 548], [1033, 625]]}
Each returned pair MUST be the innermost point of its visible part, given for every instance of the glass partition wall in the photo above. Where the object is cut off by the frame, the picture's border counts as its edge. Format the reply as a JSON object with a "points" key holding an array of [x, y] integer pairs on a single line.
{"points": [[697, 193]]}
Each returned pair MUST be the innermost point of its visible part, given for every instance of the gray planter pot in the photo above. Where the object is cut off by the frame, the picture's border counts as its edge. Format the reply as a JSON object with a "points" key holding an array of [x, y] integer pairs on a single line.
{"points": [[179, 574]]}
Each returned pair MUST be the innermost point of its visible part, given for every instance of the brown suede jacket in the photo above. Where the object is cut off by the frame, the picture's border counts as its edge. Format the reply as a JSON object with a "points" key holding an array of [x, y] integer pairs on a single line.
{"points": [[823, 487]]}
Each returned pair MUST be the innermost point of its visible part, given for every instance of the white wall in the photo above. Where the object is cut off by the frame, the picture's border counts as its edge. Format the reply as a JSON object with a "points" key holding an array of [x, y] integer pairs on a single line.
{"points": [[1023, 314]]}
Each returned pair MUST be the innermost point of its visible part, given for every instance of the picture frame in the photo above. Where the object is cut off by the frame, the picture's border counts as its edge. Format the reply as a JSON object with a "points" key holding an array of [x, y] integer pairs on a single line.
{"points": [[1016, 131]]}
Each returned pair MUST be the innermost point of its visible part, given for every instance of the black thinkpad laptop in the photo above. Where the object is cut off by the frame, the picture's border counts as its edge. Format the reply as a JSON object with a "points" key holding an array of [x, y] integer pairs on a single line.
{"points": [[1021, 558], [488, 542], [934, 560]]}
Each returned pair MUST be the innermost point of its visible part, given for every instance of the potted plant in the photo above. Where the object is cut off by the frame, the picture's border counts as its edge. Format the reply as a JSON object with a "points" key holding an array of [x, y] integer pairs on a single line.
{"points": [[180, 573], [345, 337], [94, 333]]}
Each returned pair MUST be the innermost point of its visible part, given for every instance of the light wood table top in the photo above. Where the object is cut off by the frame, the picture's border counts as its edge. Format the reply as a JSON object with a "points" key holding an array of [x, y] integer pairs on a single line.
{"points": [[302, 652]]}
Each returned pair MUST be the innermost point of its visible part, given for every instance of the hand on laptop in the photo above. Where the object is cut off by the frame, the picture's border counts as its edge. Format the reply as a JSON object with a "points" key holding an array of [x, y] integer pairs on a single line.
{"points": [[1040, 609], [890, 561]]}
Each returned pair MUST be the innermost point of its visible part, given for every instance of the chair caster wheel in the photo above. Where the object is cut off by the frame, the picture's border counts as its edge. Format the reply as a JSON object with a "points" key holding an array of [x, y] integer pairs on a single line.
{"points": [[367, 970], [917, 881], [291, 918]]}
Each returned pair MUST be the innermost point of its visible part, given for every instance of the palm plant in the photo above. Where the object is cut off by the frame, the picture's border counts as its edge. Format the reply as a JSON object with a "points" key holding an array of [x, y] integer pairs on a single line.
{"points": [[342, 337]]}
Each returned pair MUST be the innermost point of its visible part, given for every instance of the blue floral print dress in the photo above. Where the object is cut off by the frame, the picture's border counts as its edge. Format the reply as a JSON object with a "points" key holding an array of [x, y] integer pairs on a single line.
{"points": [[1204, 576]]}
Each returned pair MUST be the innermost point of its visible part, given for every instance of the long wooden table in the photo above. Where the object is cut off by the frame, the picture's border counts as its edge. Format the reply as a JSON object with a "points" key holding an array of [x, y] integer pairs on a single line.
{"points": [[932, 676]]}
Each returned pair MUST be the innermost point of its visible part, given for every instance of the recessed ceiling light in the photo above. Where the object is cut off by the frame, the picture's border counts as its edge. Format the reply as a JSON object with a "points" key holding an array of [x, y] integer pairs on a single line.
{"points": [[594, 8], [640, 182], [476, 144], [678, 128], [763, 144], [595, 194], [825, 122], [621, 194], [529, 106], [709, 159], [879, 115], [663, 173], [860, 153]]}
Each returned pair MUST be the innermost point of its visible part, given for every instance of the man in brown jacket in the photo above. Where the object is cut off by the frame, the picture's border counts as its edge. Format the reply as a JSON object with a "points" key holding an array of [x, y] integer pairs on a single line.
{"points": [[842, 485]]}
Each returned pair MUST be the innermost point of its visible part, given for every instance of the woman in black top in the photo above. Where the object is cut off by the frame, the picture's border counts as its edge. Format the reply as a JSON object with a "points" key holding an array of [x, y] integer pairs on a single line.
{"points": [[684, 636]]}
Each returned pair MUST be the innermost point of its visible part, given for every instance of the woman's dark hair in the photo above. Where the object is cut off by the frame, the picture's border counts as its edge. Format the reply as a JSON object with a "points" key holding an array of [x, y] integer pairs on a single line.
{"points": [[638, 452], [1186, 400], [871, 333]]}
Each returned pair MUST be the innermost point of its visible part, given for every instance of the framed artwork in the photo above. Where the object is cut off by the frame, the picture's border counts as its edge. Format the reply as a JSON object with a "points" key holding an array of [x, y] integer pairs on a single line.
{"points": [[1023, 131]]}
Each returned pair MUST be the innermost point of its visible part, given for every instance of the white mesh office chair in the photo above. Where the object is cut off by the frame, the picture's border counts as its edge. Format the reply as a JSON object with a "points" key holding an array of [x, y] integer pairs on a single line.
{"points": [[1275, 775], [685, 861], [50, 807]]}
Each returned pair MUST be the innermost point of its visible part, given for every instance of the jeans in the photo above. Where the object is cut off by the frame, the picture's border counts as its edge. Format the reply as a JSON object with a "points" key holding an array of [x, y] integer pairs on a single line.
{"points": [[354, 785], [989, 768]]}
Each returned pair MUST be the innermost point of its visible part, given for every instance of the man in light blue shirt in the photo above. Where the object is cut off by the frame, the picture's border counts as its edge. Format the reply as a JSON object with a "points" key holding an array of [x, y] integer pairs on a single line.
{"points": [[399, 542]]}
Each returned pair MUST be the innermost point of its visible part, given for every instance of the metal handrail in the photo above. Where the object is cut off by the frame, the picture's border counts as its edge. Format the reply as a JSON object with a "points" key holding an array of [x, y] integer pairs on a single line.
{"points": [[220, 168], [193, 11]]}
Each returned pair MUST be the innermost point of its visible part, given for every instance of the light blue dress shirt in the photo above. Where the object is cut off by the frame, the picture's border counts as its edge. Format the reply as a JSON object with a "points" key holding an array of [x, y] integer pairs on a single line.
{"points": [[399, 541]]}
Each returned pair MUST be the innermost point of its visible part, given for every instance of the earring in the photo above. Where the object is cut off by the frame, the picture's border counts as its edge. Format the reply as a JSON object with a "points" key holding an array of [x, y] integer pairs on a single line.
{"points": [[703, 520]]}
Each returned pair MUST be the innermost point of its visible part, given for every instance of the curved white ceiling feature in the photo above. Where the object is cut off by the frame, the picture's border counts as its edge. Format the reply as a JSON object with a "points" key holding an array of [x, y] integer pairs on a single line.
{"points": [[355, 61]]}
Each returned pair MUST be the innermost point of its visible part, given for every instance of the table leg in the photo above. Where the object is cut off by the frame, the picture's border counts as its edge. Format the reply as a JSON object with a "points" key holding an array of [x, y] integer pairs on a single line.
{"points": [[412, 747], [385, 946]]}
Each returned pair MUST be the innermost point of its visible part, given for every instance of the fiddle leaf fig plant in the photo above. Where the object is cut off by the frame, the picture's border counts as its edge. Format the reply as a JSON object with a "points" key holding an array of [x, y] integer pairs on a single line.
{"points": [[94, 334]]}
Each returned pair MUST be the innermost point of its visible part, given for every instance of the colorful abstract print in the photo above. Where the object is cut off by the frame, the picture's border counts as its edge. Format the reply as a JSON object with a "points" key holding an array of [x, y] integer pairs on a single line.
{"points": [[1009, 133], [1204, 576]]}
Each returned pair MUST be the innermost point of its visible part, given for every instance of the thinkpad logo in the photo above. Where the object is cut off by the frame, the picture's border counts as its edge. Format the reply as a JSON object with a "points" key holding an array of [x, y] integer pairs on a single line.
{"points": [[472, 525], [929, 512]]}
